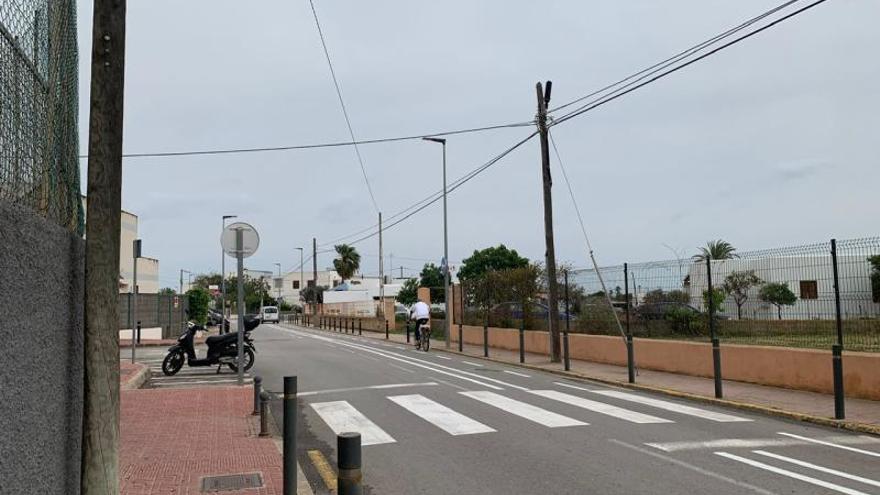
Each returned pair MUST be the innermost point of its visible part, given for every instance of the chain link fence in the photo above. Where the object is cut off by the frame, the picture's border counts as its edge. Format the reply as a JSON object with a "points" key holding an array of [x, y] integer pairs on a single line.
{"points": [[39, 167], [776, 297]]}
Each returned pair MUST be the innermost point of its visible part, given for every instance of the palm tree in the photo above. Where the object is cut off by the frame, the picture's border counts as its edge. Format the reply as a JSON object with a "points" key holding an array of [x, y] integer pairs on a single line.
{"points": [[716, 250], [347, 261]]}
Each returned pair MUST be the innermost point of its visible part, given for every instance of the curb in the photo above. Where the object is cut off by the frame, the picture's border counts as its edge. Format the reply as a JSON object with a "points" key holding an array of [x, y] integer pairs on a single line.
{"points": [[767, 410], [138, 380], [302, 483]]}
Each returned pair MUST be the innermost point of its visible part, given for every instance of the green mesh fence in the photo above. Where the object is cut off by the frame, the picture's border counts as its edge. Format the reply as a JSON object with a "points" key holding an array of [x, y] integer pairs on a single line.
{"points": [[39, 166]]}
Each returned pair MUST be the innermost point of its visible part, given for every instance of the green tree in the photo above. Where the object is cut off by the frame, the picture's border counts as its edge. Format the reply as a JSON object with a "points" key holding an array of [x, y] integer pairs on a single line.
{"points": [[778, 295], [432, 276], [255, 290], [312, 294], [347, 261], [716, 250], [875, 277], [661, 296], [198, 304], [167, 291], [738, 284], [408, 294], [490, 259], [205, 280]]}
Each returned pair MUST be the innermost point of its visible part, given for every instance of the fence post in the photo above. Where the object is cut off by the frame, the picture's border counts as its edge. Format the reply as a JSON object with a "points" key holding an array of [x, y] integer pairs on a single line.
{"points": [[630, 358], [407, 332], [565, 356], [386, 327], [460, 316], [348, 450], [837, 349], [360, 326], [716, 347], [258, 387], [139, 332], [289, 436], [522, 340]]}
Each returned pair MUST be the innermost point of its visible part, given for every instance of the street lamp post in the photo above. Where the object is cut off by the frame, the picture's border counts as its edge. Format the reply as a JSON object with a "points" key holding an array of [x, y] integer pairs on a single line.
{"points": [[280, 283], [301, 277], [445, 243], [223, 277]]}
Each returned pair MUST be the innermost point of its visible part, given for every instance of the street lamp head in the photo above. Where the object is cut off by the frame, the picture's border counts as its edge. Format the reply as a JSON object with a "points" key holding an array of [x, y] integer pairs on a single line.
{"points": [[229, 216], [436, 140]]}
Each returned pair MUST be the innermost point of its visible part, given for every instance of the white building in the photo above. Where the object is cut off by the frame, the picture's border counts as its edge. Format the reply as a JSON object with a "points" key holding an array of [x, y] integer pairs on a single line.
{"points": [[293, 281]]}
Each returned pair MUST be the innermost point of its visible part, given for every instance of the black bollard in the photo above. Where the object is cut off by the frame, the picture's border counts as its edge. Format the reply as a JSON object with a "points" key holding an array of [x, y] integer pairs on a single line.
{"points": [[289, 438], [349, 479], [264, 414], [258, 387]]}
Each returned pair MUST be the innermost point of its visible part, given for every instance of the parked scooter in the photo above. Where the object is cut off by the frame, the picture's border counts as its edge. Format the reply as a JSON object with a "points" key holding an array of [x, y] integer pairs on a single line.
{"points": [[222, 349]]}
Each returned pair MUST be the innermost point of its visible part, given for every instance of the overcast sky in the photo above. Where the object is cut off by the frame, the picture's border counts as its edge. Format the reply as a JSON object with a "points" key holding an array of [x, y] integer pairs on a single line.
{"points": [[772, 142]]}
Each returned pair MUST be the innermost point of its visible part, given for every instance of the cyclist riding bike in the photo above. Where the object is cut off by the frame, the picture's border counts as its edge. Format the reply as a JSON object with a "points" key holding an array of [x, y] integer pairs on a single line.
{"points": [[421, 314]]}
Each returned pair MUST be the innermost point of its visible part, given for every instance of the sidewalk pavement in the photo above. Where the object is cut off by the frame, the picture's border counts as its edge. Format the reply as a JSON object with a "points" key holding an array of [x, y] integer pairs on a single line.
{"points": [[861, 415], [171, 438]]}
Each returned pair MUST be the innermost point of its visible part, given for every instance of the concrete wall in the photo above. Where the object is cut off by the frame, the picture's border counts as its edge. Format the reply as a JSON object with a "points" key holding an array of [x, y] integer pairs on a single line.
{"points": [[800, 369], [41, 327]]}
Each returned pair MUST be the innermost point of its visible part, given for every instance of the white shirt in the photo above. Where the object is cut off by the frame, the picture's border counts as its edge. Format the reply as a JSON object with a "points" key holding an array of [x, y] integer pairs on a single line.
{"points": [[420, 310]]}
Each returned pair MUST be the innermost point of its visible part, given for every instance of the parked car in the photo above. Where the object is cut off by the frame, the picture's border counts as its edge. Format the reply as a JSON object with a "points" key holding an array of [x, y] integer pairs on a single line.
{"points": [[513, 309], [661, 310], [269, 314]]}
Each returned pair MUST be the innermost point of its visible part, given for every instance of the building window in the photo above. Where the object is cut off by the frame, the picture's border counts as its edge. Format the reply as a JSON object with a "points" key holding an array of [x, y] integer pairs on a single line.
{"points": [[296, 284], [809, 289]]}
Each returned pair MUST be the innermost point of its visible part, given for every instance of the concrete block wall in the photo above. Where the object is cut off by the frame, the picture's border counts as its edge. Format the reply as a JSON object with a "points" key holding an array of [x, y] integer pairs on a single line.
{"points": [[41, 327]]}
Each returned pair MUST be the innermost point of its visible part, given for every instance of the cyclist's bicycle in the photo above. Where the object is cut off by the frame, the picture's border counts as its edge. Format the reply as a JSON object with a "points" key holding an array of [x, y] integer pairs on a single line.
{"points": [[424, 336]]}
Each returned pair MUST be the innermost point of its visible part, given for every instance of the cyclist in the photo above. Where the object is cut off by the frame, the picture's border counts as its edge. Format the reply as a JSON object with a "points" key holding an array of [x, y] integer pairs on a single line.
{"points": [[419, 313]]}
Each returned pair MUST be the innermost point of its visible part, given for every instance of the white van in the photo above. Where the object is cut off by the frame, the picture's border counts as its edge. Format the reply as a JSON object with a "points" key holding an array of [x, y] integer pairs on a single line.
{"points": [[269, 314]]}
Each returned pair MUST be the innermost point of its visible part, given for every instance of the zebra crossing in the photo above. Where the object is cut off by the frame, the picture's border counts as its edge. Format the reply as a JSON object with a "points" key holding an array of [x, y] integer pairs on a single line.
{"points": [[188, 377], [341, 415]]}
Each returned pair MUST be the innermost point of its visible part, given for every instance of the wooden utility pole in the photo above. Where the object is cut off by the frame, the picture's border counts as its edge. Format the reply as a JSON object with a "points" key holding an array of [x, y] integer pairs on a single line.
{"points": [[550, 255], [314, 276], [100, 427]]}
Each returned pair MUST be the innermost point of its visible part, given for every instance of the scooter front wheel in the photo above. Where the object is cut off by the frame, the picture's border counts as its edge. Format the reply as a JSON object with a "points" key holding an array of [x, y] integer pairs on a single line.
{"points": [[248, 360], [172, 363]]}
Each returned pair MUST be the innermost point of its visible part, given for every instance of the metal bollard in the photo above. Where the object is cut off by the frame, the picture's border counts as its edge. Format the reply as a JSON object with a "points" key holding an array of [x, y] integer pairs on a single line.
{"points": [[360, 329], [460, 339], [258, 387], [407, 332], [630, 360], [264, 414], [565, 358], [289, 436], [716, 365], [386, 329], [485, 341], [139, 332], [349, 479], [522, 342], [837, 364]]}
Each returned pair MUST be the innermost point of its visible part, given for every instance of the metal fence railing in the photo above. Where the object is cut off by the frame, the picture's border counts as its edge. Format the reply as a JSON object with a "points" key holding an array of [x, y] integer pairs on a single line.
{"points": [[154, 310], [39, 163]]}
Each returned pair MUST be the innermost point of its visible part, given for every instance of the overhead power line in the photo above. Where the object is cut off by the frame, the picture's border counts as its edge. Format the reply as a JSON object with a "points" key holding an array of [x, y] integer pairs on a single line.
{"points": [[680, 56], [618, 93], [229, 151], [357, 150]]}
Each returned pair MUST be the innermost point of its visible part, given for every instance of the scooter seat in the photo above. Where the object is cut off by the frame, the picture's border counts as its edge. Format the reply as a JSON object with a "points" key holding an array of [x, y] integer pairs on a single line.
{"points": [[222, 339]]}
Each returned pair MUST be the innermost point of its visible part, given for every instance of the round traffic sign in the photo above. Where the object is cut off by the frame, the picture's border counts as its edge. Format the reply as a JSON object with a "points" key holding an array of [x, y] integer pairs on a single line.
{"points": [[250, 240]]}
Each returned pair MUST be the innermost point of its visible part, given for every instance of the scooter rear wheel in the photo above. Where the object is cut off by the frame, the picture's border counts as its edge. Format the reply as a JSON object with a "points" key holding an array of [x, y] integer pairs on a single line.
{"points": [[249, 359], [172, 363]]}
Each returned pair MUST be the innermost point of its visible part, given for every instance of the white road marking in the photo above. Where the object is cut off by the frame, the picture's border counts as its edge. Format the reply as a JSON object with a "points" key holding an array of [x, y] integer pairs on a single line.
{"points": [[523, 410], [816, 467], [516, 373], [437, 368], [756, 443], [472, 364], [831, 444], [601, 407], [198, 382], [572, 386], [443, 357], [370, 387], [439, 415], [452, 385], [791, 474], [696, 469], [341, 417], [672, 406]]}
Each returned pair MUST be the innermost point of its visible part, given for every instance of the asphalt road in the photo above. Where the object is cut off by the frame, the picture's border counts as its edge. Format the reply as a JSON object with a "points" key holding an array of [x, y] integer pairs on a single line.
{"points": [[439, 423]]}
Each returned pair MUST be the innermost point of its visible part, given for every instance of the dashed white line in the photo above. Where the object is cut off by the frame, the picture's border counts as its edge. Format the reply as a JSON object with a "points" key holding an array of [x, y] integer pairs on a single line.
{"points": [[472, 364], [816, 467], [516, 373], [443, 357], [370, 387], [830, 444]]}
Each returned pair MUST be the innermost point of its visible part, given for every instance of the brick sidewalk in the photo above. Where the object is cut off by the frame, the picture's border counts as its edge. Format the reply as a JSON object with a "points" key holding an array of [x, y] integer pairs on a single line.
{"points": [[863, 414], [171, 438]]}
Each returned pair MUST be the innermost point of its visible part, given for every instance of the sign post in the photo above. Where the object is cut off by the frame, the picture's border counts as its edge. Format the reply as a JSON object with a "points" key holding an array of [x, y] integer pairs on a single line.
{"points": [[240, 240]]}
